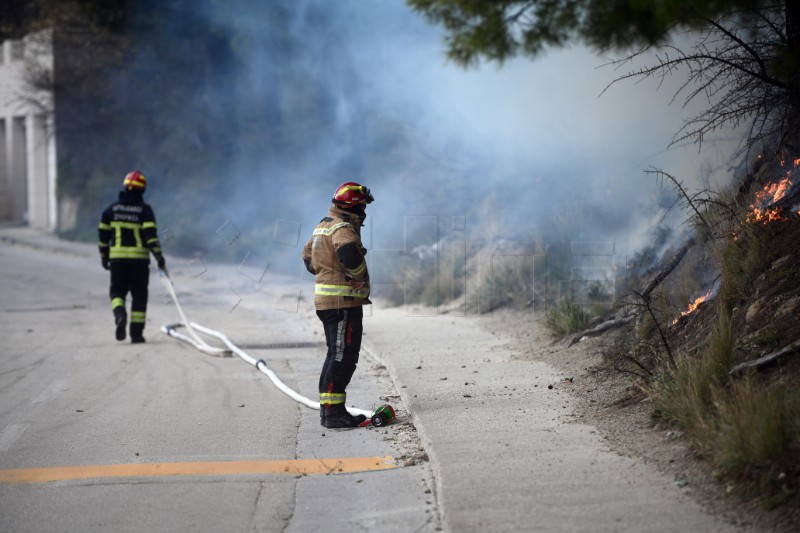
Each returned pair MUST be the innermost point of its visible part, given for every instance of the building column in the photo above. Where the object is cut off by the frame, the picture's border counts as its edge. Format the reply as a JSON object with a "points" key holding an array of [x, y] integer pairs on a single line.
{"points": [[5, 189], [52, 170], [37, 175], [17, 169]]}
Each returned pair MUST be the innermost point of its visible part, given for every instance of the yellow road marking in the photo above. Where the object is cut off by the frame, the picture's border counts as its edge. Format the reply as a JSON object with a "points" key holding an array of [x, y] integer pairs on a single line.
{"points": [[220, 468]]}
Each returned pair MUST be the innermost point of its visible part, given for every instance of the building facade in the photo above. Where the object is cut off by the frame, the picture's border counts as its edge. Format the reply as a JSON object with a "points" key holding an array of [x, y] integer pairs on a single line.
{"points": [[27, 133]]}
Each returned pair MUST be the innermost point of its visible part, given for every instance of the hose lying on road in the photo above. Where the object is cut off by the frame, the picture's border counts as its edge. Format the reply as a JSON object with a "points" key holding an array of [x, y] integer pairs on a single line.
{"points": [[193, 338], [196, 341]]}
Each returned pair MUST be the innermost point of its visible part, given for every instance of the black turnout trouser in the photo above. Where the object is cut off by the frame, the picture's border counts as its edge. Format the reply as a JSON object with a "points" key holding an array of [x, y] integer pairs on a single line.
{"points": [[343, 329], [130, 275]]}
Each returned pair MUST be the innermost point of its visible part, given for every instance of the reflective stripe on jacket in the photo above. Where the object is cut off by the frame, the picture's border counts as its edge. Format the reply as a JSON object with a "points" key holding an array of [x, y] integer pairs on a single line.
{"points": [[336, 287], [127, 229]]}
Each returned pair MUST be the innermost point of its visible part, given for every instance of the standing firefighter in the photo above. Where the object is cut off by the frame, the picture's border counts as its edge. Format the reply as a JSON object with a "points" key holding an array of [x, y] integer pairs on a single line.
{"points": [[335, 256], [127, 235]]}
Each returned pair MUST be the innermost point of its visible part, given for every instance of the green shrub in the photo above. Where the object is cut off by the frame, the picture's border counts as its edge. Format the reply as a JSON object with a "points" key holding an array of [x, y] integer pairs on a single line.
{"points": [[751, 432], [742, 258], [757, 435], [686, 395], [566, 317], [769, 336]]}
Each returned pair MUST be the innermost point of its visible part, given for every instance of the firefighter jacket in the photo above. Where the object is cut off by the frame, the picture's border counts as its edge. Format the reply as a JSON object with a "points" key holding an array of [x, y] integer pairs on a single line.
{"points": [[335, 256], [127, 229]]}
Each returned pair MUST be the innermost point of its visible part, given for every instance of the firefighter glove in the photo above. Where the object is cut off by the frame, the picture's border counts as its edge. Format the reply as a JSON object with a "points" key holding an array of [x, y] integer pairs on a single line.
{"points": [[162, 264], [104, 262]]}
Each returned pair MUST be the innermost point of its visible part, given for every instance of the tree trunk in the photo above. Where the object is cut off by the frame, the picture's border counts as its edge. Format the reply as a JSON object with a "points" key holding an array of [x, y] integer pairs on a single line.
{"points": [[793, 73], [767, 359], [601, 328]]}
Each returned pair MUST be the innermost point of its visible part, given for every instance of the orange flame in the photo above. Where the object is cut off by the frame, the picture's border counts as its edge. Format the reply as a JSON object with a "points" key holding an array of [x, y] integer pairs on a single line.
{"points": [[766, 197], [693, 306]]}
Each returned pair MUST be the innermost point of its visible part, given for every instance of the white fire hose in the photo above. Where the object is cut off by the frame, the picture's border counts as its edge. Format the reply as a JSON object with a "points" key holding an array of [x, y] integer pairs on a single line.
{"points": [[196, 341], [193, 338]]}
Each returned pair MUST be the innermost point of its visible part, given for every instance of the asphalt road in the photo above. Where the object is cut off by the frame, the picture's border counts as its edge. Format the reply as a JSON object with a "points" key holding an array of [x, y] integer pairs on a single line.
{"points": [[72, 396], [505, 452]]}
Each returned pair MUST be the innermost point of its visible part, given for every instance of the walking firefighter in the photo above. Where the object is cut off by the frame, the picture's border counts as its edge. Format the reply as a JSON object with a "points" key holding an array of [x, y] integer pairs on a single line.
{"points": [[127, 236]]}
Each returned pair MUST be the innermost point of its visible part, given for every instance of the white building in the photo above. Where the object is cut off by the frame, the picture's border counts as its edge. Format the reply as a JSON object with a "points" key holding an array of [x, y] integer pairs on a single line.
{"points": [[27, 133]]}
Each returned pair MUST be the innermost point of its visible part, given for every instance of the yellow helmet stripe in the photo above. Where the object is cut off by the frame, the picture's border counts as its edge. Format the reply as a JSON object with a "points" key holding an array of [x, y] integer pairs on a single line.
{"points": [[358, 188]]}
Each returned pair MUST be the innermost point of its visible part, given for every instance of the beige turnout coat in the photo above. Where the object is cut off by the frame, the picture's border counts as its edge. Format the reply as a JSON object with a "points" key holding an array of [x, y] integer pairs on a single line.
{"points": [[335, 286]]}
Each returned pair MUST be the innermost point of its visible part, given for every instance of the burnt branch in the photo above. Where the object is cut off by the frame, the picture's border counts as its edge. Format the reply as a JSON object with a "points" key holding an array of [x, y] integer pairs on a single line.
{"points": [[645, 375], [767, 360], [647, 303], [720, 204], [601, 328], [640, 360], [690, 200], [664, 272]]}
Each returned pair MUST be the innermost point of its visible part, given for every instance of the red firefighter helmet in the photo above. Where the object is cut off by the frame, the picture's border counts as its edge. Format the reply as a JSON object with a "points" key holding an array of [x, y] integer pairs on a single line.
{"points": [[351, 194], [135, 181]]}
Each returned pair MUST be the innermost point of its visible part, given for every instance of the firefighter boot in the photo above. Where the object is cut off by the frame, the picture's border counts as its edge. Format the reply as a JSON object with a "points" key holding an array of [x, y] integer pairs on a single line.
{"points": [[137, 329], [121, 321], [336, 416]]}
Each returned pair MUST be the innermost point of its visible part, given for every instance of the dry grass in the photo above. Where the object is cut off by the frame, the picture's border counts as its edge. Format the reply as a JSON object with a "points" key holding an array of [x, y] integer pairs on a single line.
{"points": [[756, 438], [566, 317], [686, 395], [750, 431], [742, 257]]}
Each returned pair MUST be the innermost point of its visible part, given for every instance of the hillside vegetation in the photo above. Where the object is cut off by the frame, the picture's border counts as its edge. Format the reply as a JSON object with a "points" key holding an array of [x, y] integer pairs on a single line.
{"points": [[714, 345], [707, 331]]}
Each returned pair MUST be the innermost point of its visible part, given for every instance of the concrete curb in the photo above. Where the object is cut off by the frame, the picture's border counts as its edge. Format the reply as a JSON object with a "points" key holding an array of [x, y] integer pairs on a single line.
{"points": [[424, 438], [40, 240]]}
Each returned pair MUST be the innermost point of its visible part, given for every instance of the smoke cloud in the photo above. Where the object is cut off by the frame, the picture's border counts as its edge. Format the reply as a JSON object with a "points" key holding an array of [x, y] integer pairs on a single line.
{"points": [[310, 94]]}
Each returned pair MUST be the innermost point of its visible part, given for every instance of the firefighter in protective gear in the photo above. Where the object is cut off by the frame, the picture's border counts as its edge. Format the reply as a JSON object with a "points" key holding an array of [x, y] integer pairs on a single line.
{"points": [[335, 256], [127, 236]]}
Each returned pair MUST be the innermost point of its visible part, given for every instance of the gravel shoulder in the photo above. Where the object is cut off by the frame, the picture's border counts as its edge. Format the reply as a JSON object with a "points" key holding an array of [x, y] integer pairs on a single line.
{"points": [[618, 408]]}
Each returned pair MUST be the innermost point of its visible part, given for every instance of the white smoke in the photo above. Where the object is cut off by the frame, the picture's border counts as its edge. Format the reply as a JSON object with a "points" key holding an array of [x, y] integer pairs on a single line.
{"points": [[525, 142]]}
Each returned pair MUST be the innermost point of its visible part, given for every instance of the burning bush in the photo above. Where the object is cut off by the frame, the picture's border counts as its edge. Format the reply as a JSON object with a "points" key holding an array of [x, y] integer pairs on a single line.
{"points": [[694, 304], [776, 200], [762, 209]]}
